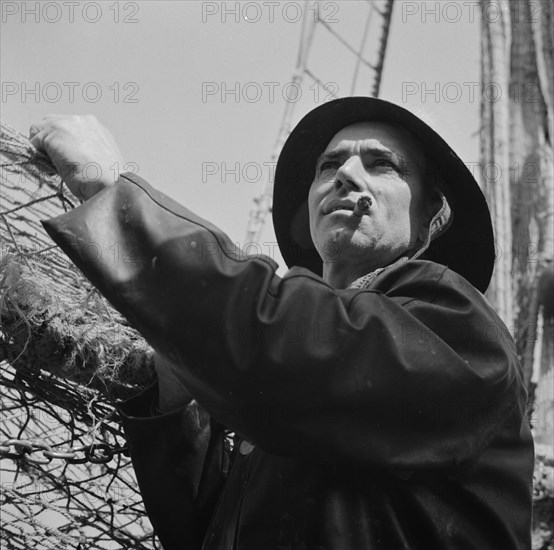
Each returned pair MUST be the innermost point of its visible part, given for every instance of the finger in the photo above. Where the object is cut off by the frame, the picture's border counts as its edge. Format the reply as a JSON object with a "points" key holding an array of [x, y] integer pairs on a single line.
{"points": [[34, 129], [37, 140], [37, 127]]}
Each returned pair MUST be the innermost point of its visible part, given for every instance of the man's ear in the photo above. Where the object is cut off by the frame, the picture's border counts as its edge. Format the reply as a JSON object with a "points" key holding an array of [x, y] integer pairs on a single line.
{"points": [[433, 203]]}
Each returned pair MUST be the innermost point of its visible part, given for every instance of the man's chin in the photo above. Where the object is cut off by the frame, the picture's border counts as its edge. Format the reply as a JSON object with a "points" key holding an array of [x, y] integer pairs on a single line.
{"points": [[346, 245]]}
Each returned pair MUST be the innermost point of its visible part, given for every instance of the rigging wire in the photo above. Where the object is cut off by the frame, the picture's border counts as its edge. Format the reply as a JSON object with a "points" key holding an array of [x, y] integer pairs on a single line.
{"points": [[362, 47]]}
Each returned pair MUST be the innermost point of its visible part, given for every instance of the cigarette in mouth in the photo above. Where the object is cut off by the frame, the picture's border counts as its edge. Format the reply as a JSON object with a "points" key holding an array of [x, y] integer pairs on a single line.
{"points": [[362, 206]]}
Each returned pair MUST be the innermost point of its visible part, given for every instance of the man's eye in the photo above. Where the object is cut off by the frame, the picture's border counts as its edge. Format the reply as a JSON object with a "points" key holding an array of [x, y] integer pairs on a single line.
{"points": [[384, 163], [329, 165]]}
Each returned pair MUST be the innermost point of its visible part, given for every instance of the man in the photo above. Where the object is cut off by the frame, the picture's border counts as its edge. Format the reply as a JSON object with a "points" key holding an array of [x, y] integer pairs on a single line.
{"points": [[388, 418]]}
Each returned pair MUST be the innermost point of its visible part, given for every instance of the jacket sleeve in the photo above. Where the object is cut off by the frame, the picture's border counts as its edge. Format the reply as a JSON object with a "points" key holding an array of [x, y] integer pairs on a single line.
{"points": [[297, 367], [179, 460]]}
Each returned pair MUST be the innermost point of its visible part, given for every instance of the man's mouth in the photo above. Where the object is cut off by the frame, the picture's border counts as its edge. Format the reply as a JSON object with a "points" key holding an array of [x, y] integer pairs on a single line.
{"points": [[339, 209], [337, 206]]}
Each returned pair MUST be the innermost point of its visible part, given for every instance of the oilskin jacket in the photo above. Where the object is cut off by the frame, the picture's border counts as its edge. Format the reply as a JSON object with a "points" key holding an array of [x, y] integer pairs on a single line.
{"points": [[390, 417]]}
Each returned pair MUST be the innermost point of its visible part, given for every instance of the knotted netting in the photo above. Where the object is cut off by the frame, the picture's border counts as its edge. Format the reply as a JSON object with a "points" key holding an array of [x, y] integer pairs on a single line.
{"points": [[66, 357]]}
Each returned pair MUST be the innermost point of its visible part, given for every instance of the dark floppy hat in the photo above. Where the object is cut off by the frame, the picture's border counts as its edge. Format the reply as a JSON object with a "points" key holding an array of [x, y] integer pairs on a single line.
{"points": [[467, 246]]}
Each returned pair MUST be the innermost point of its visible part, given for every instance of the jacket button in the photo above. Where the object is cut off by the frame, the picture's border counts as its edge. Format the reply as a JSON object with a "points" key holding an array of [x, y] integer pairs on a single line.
{"points": [[246, 447]]}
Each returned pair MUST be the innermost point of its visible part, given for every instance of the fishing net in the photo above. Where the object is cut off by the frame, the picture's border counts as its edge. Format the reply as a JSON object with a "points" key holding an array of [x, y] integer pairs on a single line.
{"points": [[66, 357]]}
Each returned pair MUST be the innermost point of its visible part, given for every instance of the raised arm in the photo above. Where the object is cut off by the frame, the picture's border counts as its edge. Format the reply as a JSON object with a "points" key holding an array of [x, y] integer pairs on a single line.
{"points": [[295, 366]]}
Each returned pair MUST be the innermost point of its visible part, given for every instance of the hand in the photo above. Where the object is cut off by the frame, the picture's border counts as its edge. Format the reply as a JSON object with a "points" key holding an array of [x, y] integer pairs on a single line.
{"points": [[83, 151]]}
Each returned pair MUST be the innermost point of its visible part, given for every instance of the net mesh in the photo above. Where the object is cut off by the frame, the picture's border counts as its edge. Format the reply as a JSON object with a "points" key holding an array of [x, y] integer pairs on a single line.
{"points": [[66, 357]]}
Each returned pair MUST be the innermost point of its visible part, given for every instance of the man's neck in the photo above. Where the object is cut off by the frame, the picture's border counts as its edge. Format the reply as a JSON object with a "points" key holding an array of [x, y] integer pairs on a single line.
{"points": [[341, 275]]}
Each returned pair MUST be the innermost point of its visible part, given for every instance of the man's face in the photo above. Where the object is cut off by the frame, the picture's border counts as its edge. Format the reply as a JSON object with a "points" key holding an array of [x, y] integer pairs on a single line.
{"points": [[380, 161]]}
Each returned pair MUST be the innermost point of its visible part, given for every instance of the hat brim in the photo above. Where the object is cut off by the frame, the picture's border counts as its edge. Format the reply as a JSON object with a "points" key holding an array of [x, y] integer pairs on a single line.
{"points": [[467, 246]]}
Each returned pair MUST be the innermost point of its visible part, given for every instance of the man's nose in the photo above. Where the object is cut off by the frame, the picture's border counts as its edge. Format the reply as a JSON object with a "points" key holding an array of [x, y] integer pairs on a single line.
{"points": [[350, 174]]}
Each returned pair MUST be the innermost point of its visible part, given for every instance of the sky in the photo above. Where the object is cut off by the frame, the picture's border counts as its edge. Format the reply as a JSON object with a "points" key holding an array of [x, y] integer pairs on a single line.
{"points": [[194, 91]]}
